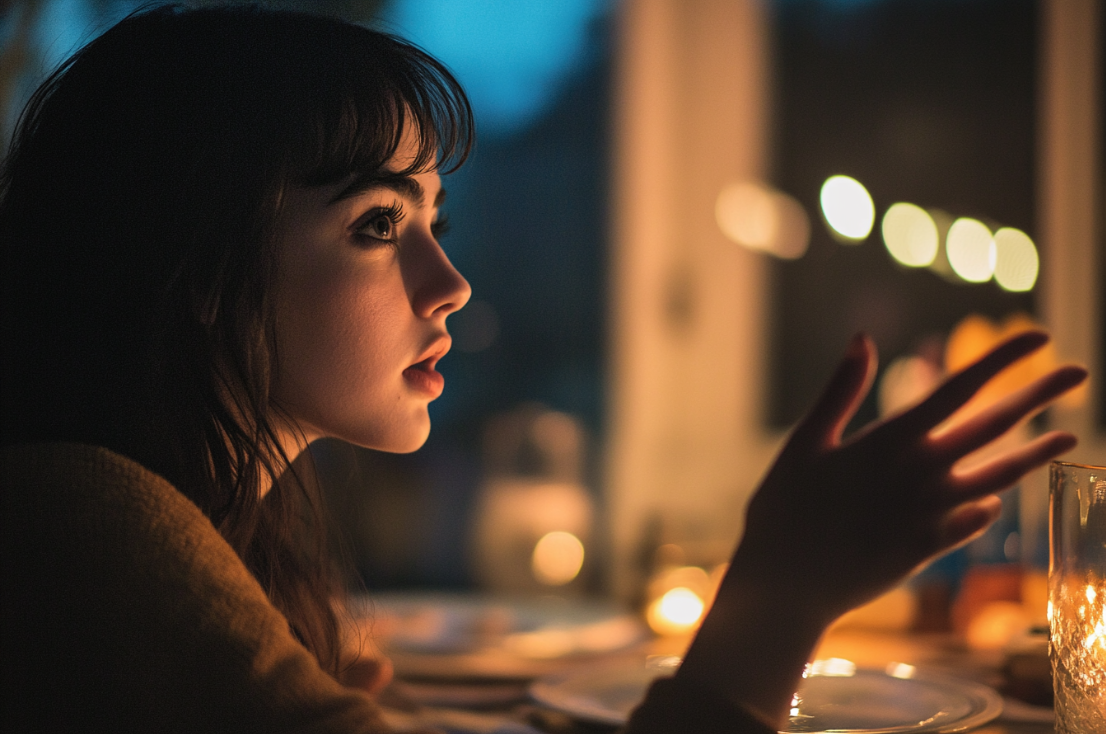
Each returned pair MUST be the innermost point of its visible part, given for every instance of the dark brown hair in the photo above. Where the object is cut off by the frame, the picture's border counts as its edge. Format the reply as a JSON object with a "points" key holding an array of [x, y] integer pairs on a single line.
{"points": [[136, 212]]}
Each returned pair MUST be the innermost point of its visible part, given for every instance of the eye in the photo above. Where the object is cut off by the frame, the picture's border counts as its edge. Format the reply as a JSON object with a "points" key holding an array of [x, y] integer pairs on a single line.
{"points": [[381, 224], [380, 227]]}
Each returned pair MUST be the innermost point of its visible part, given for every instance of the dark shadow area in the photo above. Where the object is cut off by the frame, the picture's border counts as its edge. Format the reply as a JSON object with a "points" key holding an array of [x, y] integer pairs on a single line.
{"points": [[924, 101]]}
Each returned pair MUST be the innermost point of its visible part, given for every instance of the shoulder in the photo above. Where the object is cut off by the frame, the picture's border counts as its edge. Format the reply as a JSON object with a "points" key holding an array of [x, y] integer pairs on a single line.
{"points": [[112, 571], [100, 507], [91, 525], [88, 522], [39, 475]]}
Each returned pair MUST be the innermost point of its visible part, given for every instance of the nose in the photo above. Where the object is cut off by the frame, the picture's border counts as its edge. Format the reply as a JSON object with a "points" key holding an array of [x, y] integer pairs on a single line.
{"points": [[438, 288]]}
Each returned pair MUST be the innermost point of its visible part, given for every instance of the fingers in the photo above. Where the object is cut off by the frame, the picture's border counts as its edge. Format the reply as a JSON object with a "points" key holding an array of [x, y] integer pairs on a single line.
{"points": [[959, 388], [968, 522], [1004, 471], [992, 423], [842, 396]]}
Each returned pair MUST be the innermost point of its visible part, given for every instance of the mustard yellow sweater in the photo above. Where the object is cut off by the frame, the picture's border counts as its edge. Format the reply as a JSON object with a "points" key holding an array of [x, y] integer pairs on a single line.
{"points": [[124, 610]]}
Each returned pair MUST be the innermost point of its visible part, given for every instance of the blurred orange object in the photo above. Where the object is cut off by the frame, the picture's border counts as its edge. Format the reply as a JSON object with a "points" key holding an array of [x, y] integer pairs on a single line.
{"points": [[996, 624], [982, 585], [975, 335]]}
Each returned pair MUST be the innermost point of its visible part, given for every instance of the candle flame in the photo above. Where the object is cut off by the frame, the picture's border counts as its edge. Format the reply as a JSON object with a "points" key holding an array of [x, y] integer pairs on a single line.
{"points": [[678, 610]]}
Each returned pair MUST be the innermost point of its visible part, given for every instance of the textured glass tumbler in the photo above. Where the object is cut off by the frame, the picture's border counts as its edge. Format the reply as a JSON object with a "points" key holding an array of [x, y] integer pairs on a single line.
{"points": [[1077, 596]]}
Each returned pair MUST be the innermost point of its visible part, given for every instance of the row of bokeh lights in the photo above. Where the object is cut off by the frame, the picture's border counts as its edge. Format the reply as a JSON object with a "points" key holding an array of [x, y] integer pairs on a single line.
{"points": [[758, 217]]}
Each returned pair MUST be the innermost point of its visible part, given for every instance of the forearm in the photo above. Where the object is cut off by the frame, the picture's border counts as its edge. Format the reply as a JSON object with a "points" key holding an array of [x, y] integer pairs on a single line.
{"points": [[754, 644]]}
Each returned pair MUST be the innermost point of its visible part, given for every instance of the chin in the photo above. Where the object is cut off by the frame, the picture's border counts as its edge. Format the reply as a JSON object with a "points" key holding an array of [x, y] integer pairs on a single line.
{"points": [[400, 439], [407, 447]]}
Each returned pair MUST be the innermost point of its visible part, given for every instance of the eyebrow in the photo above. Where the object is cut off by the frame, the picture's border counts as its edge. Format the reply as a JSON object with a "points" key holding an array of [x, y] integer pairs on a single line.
{"points": [[405, 186]]}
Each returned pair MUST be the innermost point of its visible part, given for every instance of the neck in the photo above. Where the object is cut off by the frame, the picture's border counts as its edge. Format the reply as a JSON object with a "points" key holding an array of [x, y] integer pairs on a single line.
{"points": [[292, 441]]}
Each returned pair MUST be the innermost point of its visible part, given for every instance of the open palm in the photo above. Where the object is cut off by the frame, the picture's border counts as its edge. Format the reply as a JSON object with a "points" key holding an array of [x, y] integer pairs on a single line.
{"points": [[842, 520]]}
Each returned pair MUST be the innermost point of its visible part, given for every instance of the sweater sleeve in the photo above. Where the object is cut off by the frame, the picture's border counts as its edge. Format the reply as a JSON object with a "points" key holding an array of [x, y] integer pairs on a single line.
{"points": [[125, 610], [673, 706]]}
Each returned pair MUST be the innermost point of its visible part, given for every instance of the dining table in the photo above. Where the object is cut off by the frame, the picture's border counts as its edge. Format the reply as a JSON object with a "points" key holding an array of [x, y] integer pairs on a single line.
{"points": [[481, 690]]}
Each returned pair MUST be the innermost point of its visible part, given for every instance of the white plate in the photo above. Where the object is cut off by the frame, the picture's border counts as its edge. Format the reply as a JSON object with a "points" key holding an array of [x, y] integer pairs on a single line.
{"points": [[459, 623], [869, 701], [464, 636]]}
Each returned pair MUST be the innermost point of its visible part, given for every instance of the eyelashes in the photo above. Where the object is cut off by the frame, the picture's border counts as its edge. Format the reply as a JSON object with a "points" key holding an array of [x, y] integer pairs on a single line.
{"points": [[381, 224]]}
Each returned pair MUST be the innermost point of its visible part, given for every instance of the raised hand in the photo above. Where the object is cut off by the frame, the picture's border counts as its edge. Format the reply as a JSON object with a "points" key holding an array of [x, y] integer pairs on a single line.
{"points": [[841, 521], [837, 522]]}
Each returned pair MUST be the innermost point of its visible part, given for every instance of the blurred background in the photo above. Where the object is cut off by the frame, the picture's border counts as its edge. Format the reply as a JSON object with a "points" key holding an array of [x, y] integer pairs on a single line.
{"points": [[677, 214]]}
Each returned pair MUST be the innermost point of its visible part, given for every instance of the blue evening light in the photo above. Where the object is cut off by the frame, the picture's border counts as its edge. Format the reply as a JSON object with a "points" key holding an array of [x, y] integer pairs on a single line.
{"points": [[510, 55]]}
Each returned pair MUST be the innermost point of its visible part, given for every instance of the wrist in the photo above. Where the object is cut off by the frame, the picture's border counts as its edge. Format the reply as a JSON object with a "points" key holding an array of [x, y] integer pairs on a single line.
{"points": [[799, 585], [755, 642]]}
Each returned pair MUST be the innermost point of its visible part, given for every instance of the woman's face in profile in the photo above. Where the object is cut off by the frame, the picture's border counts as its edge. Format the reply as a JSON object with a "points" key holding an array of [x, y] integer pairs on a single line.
{"points": [[362, 296]]}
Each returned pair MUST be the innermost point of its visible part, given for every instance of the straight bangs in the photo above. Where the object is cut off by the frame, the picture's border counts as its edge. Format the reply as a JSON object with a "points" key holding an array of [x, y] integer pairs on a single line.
{"points": [[383, 89]]}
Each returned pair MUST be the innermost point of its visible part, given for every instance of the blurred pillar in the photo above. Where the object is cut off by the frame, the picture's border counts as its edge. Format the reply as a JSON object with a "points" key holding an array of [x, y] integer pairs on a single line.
{"points": [[1072, 202], [688, 307]]}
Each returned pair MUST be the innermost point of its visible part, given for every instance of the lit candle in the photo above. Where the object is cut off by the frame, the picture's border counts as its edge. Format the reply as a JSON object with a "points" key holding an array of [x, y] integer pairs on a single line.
{"points": [[1077, 596], [679, 597]]}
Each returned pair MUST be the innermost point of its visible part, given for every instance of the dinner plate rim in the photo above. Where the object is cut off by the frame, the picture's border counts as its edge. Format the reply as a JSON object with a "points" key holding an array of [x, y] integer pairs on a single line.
{"points": [[989, 702]]}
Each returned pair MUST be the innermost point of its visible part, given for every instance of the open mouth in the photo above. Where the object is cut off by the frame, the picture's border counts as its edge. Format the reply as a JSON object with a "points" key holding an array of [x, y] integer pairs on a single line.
{"points": [[423, 377]]}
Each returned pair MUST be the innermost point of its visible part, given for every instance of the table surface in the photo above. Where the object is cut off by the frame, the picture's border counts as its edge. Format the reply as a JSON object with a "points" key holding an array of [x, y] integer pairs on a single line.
{"points": [[483, 706]]}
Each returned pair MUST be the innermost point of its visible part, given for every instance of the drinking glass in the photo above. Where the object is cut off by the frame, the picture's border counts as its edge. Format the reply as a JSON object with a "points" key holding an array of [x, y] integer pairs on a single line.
{"points": [[1077, 596]]}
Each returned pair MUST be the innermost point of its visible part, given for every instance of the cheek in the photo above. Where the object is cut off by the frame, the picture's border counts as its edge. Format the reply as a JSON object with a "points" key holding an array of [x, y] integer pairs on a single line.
{"points": [[342, 350], [343, 335]]}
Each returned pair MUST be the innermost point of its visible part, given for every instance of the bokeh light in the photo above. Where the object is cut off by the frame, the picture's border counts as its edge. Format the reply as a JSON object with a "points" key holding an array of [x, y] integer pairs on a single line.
{"points": [[900, 670], [760, 218], [677, 611], [971, 250], [905, 382], [831, 668], [1016, 260], [910, 235], [940, 265], [557, 558], [848, 208]]}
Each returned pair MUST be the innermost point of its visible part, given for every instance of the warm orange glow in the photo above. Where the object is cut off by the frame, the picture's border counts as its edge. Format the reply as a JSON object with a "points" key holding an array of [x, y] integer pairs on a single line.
{"points": [[679, 596], [996, 624], [557, 558], [894, 610], [975, 336], [831, 667], [1096, 621], [678, 610], [906, 381], [692, 577], [758, 217], [900, 670]]}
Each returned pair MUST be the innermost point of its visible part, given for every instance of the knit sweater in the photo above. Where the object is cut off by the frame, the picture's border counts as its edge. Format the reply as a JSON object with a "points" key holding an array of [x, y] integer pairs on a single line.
{"points": [[124, 610]]}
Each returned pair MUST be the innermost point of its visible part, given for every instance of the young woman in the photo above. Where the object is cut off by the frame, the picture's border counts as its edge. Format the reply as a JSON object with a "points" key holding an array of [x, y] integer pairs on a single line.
{"points": [[218, 230]]}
